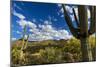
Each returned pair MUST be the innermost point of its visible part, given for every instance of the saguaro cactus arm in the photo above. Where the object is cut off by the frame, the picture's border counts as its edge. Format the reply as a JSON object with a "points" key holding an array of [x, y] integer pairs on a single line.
{"points": [[92, 20], [69, 22], [76, 19], [83, 19]]}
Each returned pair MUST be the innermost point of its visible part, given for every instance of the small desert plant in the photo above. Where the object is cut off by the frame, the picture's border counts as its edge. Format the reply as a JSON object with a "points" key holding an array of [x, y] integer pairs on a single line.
{"points": [[52, 55]]}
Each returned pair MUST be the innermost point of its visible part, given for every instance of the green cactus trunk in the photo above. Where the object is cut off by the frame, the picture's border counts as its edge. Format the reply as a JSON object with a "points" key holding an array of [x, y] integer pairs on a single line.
{"points": [[23, 46], [86, 50], [85, 47]]}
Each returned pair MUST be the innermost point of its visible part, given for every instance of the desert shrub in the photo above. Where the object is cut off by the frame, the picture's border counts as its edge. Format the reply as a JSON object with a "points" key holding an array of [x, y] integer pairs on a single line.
{"points": [[31, 59], [92, 42], [73, 47], [45, 56], [15, 54], [51, 55]]}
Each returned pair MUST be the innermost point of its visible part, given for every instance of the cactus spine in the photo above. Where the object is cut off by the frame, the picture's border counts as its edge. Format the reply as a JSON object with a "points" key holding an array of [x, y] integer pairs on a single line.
{"points": [[81, 32]]}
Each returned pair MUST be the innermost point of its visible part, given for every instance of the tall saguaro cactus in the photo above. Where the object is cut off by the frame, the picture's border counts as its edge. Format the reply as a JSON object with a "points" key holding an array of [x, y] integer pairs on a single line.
{"points": [[24, 41], [24, 44], [82, 32], [23, 38]]}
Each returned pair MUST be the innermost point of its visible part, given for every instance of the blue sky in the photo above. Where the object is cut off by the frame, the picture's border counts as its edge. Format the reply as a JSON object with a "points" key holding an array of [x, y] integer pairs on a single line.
{"points": [[44, 21]]}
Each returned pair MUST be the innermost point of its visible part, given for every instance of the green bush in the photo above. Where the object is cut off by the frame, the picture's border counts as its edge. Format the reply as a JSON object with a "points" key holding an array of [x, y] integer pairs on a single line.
{"points": [[73, 47], [51, 55], [15, 56]]}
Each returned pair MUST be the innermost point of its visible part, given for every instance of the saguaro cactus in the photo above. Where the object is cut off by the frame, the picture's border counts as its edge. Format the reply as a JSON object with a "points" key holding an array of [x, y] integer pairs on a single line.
{"points": [[24, 41], [82, 32], [24, 44], [23, 38]]}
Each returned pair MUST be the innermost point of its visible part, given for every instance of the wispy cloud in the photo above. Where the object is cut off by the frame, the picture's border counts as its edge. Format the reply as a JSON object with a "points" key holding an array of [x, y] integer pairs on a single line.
{"points": [[22, 23], [16, 6], [13, 39], [72, 18], [34, 20], [18, 32], [59, 5], [20, 16], [88, 11]]}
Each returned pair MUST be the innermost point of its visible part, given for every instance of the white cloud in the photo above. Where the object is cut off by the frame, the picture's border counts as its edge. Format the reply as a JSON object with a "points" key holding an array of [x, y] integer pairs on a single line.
{"points": [[47, 22], [13, 39], [31, 25], [34, 30], [88, 11], [20, 16], [58, 13], [17, 6], [69, 9], [55, 19], [31, 30], [62, 16], [72, 17], [47, 28], [47, 31], [40, 36], [62, 11], [18, 32], [34, 20], [59, 5], [22, 23], [26, 36]]}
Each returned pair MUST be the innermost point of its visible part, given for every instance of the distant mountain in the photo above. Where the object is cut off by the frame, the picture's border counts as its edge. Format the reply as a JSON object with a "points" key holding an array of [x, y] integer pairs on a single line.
{"points": [[38, 43]]}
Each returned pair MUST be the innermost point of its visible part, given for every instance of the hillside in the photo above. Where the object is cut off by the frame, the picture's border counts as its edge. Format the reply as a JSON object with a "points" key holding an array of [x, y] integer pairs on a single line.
{"points": [[50, 51], [38, 43]]}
